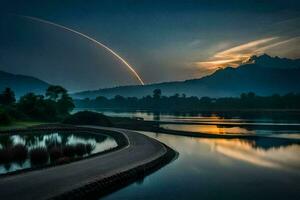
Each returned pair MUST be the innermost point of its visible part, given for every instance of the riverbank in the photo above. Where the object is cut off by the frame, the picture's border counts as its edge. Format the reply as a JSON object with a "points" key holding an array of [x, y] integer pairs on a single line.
{"points": [[20, 124], [94, 176]]}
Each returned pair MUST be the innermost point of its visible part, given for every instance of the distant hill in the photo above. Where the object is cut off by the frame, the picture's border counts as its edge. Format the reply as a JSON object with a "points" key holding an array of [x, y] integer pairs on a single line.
{"points": [[21, 84], [263, 75]]}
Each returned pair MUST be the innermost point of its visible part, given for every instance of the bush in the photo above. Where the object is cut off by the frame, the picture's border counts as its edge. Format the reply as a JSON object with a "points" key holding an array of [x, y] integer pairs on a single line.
{"points": [[6, 155], [69, 151], [14, 113], [88, 118], [19, 152], [80, 149], [39, 155], [55, 153], [5, 118], [89, 148]]}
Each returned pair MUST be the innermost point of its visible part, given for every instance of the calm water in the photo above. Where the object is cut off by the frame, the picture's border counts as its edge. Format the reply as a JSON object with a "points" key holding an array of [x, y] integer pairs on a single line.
{"points": [[209, 117], [282, 124], [98, 142], [222, 169], [265, 168]]}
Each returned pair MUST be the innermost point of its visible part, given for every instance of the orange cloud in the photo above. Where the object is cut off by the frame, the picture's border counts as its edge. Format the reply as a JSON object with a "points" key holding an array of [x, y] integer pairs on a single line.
{"points": [[241, 53]]}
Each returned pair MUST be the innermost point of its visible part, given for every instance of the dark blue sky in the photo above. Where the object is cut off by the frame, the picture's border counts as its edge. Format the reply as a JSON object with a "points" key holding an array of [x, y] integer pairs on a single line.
{"points": [[162, 40]]}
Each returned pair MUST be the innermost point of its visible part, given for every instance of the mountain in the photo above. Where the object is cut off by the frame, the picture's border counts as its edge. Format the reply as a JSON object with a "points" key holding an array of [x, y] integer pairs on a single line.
{"points": [[264, 75], [21, 84]]}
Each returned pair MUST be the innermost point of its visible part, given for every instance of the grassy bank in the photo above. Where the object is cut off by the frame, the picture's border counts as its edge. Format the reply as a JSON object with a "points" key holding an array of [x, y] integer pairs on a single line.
{"points": [[20, 124]]}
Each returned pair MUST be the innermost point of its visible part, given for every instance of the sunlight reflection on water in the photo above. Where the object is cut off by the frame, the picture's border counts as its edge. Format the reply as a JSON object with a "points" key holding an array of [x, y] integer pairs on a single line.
{"points": [[267, 168], [210, 129]]}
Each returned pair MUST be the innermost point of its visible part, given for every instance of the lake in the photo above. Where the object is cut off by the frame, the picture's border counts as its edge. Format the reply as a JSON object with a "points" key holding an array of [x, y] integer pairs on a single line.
{"points": [[278, 124], [264, 168], [221, 169]]}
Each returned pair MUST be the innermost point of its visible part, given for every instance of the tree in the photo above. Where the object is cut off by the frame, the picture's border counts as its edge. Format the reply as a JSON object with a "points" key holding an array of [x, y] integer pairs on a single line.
{"points": [[65, 105], [30, 105], [157, 93], [4, 117], [55, 92], [7, 97], [63, 102], [118, 99], [55, 107], [36, 107]]}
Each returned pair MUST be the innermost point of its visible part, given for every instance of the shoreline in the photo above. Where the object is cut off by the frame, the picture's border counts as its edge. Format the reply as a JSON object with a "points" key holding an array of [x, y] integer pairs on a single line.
{"points": [[188, 111], [122, 142], [105, 186], [91, 177]]}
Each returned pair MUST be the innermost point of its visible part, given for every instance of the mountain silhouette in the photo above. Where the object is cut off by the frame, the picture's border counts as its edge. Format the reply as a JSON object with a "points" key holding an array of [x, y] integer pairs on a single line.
{"points": [[264, 75], [21, 84]]}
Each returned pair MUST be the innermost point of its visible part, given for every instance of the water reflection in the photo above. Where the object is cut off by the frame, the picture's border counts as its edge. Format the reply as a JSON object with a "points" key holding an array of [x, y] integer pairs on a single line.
{"points": [[263, 123], [209, 129], [222, 169], [274, 155], [213, 117], [280, 130], [265, 151], [16, 150]]}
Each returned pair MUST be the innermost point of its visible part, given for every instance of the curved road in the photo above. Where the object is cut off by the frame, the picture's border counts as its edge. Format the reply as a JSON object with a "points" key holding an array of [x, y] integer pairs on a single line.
{"points": [[49, 182]]}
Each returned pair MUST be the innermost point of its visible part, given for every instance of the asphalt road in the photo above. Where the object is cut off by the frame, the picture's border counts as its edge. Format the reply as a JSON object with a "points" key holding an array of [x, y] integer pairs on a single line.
{"points": [[49, 182]]}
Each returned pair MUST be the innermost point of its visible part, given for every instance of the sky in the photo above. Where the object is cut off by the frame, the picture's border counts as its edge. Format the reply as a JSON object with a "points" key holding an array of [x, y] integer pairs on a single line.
{"points": [[161, 40]]}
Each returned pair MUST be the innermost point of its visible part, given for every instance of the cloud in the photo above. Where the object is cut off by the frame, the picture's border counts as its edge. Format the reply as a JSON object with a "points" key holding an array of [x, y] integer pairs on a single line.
{"points": [[237, 55], [195, 43]]}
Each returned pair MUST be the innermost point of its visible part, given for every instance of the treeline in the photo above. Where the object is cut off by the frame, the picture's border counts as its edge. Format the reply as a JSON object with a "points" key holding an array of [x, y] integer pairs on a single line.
{"points": [[181, 103], [55, 105]]}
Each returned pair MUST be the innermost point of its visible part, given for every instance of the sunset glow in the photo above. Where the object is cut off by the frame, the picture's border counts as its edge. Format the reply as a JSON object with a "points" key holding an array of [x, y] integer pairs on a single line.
{"points": [[205, 103], [237, 55]]}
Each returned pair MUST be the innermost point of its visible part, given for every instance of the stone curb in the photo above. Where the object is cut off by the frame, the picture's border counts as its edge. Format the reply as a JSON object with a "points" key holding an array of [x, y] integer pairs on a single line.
{"points": [[104, 186]]}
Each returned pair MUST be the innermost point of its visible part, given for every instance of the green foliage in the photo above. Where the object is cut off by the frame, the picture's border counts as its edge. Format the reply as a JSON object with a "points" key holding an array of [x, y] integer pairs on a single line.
{"points": [[65, 105], [157, 93], [7, 97], [182, 103], [38, 108], [54, 92], [59, 96], [55, 107], [14, 112], [88, 118], [5, 118]]}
